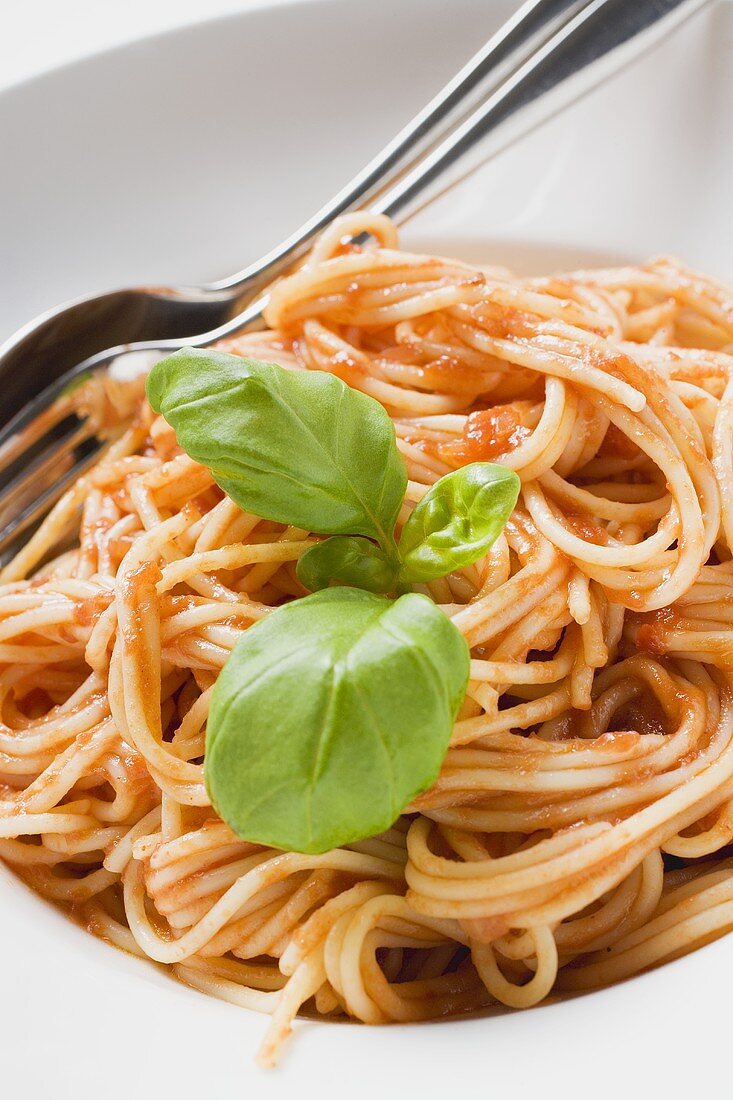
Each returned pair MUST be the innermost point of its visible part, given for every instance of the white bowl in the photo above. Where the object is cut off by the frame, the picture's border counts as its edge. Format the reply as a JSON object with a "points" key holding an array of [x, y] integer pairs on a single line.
{"points": [[181, 157]]}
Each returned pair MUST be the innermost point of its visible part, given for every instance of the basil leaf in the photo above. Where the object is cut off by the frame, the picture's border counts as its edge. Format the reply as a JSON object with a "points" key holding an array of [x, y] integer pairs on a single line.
{"points": [[298, 447], [331, 715], [457, 520], [346, 560]]}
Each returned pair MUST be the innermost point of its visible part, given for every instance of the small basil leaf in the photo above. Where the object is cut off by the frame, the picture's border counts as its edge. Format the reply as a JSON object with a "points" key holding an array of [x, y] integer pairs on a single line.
{"points": [[298, 447], [331, 715], [346, 560], [457, 520]]}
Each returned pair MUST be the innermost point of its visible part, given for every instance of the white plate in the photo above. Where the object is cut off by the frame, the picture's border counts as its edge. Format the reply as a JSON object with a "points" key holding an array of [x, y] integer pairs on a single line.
{"points": [[179, 158]]}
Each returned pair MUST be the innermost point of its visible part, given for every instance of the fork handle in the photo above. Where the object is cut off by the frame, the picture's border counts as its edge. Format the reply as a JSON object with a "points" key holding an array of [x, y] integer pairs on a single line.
{"points": [[529, 28], [548, 54], [595, 42], [600, 39]]}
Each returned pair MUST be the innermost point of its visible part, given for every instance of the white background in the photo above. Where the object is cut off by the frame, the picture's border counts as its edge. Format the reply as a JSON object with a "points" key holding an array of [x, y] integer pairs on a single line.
{"points": [[38, 34]]}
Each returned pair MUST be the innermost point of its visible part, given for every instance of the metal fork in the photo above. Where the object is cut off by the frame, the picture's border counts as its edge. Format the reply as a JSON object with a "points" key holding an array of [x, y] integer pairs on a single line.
{"points": [[550, 53], [57, 341]]}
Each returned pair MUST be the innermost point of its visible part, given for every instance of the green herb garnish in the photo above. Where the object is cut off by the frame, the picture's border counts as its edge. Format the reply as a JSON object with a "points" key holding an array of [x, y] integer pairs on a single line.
{"points": [[336, 710], [457, 520], [298, 447], [331, 715], [346, 560]]}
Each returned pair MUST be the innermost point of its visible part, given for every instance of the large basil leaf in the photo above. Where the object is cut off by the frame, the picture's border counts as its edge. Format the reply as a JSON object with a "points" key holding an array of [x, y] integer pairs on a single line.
{"points": [[299, 447], [346, 560], [331, 715], [457, 520]]}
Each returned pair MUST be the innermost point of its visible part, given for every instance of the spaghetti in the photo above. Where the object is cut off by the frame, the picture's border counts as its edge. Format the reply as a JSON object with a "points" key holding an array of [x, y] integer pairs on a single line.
{"points": [[579, 831]]}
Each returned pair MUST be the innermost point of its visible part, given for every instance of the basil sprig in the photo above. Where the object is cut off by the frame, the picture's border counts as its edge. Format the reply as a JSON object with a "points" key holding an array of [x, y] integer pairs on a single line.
{"points": [[303, 448], [457, 520], [346, 560], [298, 447], [336, 710], [331, 715]]}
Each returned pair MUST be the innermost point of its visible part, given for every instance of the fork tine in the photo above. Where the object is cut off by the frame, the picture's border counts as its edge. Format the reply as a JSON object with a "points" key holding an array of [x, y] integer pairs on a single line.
{"points": [[44, 469], [43, 502], [46, 410]]}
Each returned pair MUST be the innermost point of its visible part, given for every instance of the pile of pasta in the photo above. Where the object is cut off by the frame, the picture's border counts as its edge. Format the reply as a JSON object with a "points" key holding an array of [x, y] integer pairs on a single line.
{"points": [[579, 830]]}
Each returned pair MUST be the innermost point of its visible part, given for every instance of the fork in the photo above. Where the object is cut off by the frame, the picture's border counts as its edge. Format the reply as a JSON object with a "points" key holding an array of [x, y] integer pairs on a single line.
{"points": [[550, 53], [58, 340]]}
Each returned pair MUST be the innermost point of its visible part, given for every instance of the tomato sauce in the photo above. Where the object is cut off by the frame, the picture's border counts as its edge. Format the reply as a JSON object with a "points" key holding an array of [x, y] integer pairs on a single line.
{"points": [[617, 445], [586, 528], [486, 435], [652, 634]]}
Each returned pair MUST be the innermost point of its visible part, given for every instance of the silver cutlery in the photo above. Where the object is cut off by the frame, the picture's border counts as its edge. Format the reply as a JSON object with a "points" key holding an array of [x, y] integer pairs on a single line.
{"points": [[549, 54]]}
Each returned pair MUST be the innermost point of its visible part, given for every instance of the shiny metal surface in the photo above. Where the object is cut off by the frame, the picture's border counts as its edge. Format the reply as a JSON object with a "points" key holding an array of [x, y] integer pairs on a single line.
{"points": [[550, 53], [57, 341]]}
